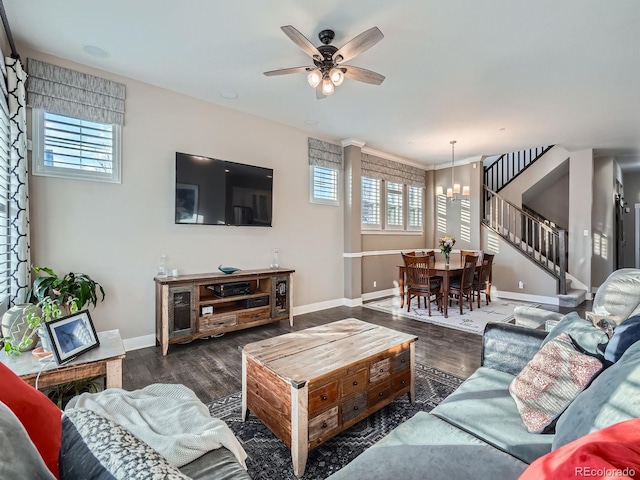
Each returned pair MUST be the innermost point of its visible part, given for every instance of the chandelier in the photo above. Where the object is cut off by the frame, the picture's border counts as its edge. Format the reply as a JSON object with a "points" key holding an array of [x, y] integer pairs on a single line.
{"points": [[454, 190]]}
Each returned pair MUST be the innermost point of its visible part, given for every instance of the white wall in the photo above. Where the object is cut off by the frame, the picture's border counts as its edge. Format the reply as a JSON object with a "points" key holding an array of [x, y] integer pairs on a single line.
{"points": [[115, 233]]}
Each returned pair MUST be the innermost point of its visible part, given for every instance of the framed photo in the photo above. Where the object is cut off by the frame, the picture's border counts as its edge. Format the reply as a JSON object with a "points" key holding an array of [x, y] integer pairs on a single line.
{"points": [[71, 336]]}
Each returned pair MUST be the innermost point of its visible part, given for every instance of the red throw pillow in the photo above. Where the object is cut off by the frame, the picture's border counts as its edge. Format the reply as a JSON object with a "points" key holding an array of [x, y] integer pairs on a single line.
{"points": [[612, 452], [41, 418]]}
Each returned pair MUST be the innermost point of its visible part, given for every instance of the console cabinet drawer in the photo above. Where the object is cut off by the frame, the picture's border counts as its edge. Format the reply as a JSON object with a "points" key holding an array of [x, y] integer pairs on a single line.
{"points": [[323, 424], [211, 322], [354, 383], [254, 315], [402, 360], [322, 397], [379, 370]]}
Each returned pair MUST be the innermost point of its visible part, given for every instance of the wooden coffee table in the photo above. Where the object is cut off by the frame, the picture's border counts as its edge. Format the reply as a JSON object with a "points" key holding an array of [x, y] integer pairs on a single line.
{"points": [[310, 385]]}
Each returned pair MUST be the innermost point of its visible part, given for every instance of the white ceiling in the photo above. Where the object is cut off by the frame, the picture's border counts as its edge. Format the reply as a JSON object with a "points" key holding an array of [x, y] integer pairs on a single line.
{"points": [[496, 75]]}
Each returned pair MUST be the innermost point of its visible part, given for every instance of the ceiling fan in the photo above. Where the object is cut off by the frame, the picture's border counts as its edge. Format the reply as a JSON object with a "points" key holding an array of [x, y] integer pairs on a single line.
{"points": [[328, 70]]}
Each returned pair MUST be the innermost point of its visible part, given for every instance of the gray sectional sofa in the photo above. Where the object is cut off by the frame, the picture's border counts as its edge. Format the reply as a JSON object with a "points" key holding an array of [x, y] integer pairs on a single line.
{"points": [[477, 431]]}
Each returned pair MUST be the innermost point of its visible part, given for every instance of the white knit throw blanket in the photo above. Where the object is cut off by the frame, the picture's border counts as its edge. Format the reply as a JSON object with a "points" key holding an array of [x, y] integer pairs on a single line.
{"points": [[167, 417]]}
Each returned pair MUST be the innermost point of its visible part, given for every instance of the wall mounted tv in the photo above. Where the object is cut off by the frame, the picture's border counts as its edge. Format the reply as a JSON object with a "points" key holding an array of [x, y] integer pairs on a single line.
{"points": [[210, 191]]}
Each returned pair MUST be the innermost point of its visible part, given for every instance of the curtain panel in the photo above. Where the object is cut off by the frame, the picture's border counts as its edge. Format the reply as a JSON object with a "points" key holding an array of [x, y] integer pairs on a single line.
{"points": [[325, 154], [383, 169], [19, 260], [74, 94]]}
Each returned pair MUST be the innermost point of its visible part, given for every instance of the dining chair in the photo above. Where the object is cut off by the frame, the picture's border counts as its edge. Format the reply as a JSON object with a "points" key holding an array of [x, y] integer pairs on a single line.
{"points": [[420, 282], [462, 287], [482, 283], [464, 253]]}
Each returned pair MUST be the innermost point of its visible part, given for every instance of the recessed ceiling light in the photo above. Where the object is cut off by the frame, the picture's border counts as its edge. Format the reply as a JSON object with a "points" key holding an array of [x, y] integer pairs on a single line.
{"points": [[96, 51], [229, 94], [311, 121], [502, 129], [409, 143]]}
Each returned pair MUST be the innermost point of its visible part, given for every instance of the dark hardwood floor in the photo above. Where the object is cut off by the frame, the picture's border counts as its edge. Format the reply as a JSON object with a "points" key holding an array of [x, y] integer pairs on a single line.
{"points": [[212, 367]]}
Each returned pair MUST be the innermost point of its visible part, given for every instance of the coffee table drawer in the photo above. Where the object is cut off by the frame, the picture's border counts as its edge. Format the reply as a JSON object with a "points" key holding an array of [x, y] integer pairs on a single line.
{"points": [[323, 397], [323, 424], [401, 361], [402, 380], [354, 383], [379, 393], [379, 370], [354, 407]]}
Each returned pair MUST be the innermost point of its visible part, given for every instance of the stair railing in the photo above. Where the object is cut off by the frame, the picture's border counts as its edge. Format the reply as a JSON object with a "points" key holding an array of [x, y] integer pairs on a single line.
{"points": [[544, 245], [508, 166]]}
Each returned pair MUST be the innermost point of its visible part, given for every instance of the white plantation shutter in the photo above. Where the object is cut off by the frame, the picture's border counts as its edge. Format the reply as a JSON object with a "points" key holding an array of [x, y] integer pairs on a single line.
{"points": [[5, 156], [415, 207], [394, 205], [325, 160], [370, 202]]}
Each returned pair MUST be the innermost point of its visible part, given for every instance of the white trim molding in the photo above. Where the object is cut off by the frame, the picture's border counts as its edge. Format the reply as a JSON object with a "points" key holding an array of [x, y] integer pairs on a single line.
{"points": [[136, 343], [352, 302], [349, 142], [352, 255], [525, 297], [314, 307], [380, 293], [394, 158], [415, 233]]}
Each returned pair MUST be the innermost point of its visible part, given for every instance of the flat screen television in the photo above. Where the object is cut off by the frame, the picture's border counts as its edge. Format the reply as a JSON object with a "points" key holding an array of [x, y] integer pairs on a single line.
{"points": [[210, 191]]}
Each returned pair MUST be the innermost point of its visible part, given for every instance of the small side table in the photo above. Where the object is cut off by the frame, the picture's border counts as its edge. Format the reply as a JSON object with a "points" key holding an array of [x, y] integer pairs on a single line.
{"points": [[103, 360]]}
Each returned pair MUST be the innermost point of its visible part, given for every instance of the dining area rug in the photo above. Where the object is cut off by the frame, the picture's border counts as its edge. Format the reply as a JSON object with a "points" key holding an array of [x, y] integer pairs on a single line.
{"points": [[499, 310]]}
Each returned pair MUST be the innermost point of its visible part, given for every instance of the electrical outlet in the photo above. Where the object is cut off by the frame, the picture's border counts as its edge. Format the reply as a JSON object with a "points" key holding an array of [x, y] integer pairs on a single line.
{"points": [[521, 284], [586, 233], [375, 284]]}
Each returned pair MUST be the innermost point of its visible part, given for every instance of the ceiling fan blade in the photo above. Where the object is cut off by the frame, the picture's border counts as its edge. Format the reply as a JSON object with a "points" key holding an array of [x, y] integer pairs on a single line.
{"points": [[357, 45], [286, 71], [362, 75], [319, 94], [302, 41]]}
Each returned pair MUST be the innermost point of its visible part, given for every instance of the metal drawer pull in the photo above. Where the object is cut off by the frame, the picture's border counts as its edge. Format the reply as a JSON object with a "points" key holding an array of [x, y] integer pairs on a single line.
{"points": [[403, 382], [382, 370], [403, 360], [324, 425], [324, 397], [381, 394], [356, 407], [355, 383]]}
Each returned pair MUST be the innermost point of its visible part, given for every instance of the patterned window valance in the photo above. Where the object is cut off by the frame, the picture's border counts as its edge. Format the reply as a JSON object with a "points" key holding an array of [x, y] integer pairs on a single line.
{"points": [[325, 154], [74, 94], [383, 169]]}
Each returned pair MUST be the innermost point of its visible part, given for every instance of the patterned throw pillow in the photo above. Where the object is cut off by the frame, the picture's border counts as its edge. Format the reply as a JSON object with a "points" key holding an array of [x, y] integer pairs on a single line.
{"points": [[96, 448], [550, 382]]}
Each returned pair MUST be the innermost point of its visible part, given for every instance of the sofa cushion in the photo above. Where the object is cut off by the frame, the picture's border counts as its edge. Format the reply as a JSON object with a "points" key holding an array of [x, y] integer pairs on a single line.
{"points": [[483, 407], [19, 458], [619, 294], [624, 335], [41, 418], [427, 447], [218, 464], [590, 339], [611, 398], [550, 382], [96, 448], [613, 452]]}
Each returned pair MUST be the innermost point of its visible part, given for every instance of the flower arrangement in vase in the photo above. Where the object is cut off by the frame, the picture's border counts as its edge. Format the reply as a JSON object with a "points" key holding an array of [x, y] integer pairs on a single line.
{"points": [[446, 245]]}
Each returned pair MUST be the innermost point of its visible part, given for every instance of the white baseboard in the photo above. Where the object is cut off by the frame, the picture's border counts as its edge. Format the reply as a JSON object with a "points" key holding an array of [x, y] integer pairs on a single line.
{"points": [[525, 297], [379, 294], [352, 302], [137, 343], [314, 307]]}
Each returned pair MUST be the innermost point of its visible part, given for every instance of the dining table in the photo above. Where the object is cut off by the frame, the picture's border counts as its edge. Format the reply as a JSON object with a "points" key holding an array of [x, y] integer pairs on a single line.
{"points": [[440, 269]]}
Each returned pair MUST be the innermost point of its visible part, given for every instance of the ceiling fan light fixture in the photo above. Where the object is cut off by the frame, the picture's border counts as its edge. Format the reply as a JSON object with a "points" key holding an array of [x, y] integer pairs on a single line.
{"points": [[314, 78], [337, 76], [327, 86]]}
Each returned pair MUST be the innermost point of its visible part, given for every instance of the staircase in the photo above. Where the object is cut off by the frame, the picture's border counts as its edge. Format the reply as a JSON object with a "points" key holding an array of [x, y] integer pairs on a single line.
{"points": [[535, 237]]}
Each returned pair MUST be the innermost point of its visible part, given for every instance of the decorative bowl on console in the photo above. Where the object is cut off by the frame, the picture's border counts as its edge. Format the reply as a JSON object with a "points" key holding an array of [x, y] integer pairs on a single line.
{"points": [[227, 270]]}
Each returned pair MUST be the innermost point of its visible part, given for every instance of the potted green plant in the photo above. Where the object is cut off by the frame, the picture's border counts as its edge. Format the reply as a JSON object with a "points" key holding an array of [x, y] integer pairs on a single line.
{"points": [[79, 286]]}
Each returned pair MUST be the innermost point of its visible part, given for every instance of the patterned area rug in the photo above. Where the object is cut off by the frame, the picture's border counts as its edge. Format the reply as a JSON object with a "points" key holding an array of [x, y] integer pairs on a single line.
{"points": [[270, 459], [499, 310]]}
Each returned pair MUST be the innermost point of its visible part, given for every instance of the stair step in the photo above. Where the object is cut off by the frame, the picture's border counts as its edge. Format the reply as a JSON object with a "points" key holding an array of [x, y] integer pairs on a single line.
{"points": [[573, 298]]}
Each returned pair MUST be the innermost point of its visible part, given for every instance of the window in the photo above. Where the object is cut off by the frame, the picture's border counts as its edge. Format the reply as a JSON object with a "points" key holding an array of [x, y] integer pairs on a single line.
{"points": [[370, 202], [324, 185], [380, 196], [72, 148], [394, 205], [414, 205]]}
